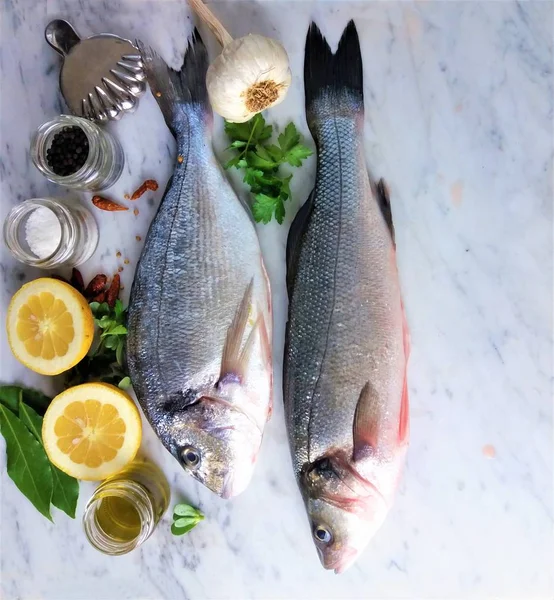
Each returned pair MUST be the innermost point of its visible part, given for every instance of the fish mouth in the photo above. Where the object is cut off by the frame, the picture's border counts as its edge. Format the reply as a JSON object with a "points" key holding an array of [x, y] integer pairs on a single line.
{"points": [[340, 564]]}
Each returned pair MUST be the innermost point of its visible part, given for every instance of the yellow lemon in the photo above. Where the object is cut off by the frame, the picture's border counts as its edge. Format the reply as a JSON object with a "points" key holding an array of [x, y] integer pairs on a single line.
{"points": [[50, 326], [92, 431]]}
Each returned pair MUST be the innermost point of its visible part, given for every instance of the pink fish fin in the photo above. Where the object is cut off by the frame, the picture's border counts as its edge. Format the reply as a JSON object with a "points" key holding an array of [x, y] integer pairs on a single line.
{"points": [[266, 358], [232, 365], [404, 422], [365, 432], [405, 332]]}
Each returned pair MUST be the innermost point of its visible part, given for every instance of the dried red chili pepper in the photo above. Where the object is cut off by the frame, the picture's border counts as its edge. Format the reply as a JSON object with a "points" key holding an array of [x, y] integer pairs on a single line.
{"points": [[113, 291], [149, 184]]}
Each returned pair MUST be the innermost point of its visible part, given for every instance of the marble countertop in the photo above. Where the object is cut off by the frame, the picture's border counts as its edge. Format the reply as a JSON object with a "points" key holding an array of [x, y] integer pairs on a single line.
{"points": [[459, 121]]}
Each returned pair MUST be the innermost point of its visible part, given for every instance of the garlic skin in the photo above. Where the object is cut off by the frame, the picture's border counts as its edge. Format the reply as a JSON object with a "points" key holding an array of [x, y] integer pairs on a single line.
{"points": [[251, 74]]}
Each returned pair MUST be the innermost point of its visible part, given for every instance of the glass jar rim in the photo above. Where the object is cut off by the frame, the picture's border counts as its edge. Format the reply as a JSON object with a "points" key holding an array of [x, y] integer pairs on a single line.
{"points": [[19, 212], [52, 127], [133, 492]]}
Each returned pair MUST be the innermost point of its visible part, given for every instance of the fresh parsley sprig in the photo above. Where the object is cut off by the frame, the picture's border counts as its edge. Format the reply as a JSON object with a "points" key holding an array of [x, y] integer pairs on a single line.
{"points": [[106, 358], [261, 161]]}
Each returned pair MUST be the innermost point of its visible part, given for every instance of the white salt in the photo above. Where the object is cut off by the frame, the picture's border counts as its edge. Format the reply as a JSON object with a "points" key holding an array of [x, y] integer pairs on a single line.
{"points": [[43, 232]]}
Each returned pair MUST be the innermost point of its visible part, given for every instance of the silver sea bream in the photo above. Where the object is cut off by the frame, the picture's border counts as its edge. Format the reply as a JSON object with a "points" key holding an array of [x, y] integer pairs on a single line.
{"points": [[200, 324], [347, 344]]}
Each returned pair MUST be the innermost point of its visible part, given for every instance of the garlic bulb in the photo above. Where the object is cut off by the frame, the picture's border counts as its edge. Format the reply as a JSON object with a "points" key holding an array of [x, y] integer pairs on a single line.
{"points": [[251, 74]]}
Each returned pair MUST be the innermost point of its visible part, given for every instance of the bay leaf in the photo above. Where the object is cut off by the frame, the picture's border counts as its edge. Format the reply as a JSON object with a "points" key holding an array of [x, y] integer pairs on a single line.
{"points": [[28, 465], [65, 490], [10, 395]]}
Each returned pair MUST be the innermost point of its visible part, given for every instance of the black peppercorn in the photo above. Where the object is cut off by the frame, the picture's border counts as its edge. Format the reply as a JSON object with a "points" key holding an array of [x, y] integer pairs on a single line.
{"points": [[68, 151]]}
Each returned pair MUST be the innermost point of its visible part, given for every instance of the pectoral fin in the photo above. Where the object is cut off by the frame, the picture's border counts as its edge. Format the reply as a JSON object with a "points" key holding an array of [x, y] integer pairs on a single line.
{"points": [[365, 432], [233, 360]]}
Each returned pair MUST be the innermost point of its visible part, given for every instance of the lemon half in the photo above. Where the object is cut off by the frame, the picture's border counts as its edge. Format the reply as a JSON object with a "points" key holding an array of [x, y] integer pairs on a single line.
{"points": [[50, 326], [92, 431]]}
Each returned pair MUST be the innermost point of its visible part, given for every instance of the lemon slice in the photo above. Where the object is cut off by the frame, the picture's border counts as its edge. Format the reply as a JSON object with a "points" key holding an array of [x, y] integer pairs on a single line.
{"points": [[50, 326], [92, 431]]}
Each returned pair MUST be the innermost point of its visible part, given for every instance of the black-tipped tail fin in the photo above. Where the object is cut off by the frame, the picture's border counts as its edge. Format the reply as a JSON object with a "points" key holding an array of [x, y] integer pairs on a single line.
{"points": [[175, 89], [337, 77]]}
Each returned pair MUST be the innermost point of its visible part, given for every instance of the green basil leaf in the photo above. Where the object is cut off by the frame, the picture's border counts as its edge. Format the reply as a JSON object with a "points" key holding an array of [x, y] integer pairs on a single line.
{"points": [[28, 465], [65, 489], [10, 396], [182, 530], [185, 510]]}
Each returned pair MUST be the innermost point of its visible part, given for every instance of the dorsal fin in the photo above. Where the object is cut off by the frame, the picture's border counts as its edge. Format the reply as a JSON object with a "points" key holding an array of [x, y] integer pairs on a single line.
{"points": [[383, 199], [296, 231]]}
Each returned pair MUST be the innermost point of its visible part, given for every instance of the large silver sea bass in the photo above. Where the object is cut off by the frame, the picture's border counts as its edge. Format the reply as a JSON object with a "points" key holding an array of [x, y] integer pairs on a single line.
{"points": [[347, 347], [199, 344]]}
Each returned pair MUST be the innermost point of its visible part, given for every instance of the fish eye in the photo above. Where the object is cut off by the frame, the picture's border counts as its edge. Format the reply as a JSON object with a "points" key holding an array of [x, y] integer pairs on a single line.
{"points": [[322, 534], [190, 456]]}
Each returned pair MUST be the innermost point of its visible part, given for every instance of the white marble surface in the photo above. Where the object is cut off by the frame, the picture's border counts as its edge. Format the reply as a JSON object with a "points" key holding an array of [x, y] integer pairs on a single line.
{"points": [[459, 120]]}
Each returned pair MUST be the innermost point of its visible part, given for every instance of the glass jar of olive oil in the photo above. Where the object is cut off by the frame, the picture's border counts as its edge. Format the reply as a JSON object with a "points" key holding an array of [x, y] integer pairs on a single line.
{"points": [[125, 509]]}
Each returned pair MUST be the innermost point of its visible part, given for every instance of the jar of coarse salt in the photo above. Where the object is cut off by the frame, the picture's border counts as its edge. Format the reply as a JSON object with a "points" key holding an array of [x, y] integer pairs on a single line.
{"points": [[50, 232]]}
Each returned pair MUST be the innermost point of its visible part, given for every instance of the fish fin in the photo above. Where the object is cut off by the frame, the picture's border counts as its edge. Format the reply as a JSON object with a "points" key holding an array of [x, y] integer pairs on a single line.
{"points": [[381, 191], [404, 422], [266, 357], [337, 77], [173, 90], [296, 231], [232, 359], [365, 432]]}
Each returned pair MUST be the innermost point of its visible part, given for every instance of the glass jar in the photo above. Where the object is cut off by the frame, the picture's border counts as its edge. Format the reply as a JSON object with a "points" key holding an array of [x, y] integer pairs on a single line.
{"points": [[125, 509], [49, 233], [104, 162]]}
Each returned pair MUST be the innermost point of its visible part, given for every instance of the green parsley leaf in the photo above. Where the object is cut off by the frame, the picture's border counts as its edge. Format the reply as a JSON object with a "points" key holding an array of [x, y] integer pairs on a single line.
{"points": [[296, 155], [289, 138], [265, 207], [261, 161]]}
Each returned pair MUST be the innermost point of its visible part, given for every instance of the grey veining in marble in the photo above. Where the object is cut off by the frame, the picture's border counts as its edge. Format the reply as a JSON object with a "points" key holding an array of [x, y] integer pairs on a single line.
{"points": [[459, 108]]}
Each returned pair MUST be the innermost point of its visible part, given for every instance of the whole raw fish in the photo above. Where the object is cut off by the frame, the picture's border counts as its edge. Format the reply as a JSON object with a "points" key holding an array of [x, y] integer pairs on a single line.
{"points": [[346, 347], [199, 343]]}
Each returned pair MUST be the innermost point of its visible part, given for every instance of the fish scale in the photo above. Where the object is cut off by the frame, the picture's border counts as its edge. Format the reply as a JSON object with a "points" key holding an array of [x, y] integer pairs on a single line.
{"points": [[345, 355], [199, 275]]}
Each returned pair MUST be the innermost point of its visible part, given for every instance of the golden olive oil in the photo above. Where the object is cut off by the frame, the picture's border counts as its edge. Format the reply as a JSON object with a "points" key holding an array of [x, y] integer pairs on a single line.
{"points": [[125, 509]]}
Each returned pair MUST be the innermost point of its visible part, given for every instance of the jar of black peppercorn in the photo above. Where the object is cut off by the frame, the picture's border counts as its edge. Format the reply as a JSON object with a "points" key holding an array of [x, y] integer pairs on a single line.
{"points": [[77, 153]]}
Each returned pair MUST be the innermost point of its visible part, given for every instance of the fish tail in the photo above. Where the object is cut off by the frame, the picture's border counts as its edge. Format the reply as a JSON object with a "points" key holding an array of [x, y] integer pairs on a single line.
{"points": [[177, 91], [333, 82]]}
